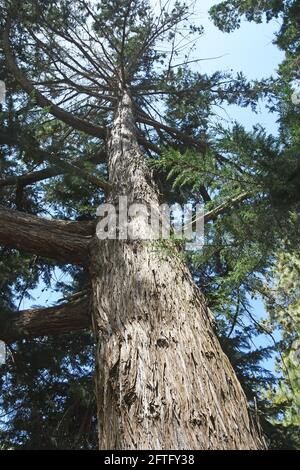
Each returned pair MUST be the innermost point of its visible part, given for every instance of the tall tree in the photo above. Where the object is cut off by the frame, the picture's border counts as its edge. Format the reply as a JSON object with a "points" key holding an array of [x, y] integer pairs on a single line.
{"points": [[162, 379]]}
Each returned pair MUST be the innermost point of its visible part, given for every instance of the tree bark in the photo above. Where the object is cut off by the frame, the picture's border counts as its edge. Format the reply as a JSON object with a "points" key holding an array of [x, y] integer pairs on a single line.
{"points": [[31, 323], [64, 241], [162, 379]]}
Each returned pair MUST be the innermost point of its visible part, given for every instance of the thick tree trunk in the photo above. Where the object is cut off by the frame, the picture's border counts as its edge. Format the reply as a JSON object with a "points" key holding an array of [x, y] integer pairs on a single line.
{"points": [[163, 381]]}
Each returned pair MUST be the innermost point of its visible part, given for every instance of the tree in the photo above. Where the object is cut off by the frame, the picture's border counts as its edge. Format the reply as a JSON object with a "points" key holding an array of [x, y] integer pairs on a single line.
{"points": [[162, 379]]}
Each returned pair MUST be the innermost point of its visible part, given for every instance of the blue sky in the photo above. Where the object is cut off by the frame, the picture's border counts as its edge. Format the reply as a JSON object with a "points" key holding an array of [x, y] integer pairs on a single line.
{"points": [[248, 49]]}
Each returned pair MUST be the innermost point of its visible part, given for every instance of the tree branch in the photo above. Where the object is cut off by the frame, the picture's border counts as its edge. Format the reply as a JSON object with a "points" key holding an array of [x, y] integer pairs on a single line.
{"points": [[222, 208], [64, 241], [175, 133], [81, 172], [30, 178], [60, 166], [59, 113], [58, 320]]}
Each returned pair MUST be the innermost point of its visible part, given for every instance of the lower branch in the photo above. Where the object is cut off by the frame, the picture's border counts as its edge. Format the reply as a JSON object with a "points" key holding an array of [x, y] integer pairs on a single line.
{"points": [[64, 241], [58, 320], [30, 178]]}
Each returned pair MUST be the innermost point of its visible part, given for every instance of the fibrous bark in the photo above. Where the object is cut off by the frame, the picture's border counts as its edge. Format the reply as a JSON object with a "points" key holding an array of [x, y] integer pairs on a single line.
{"points": [[31, 323], [63, 241], [162, 379]]}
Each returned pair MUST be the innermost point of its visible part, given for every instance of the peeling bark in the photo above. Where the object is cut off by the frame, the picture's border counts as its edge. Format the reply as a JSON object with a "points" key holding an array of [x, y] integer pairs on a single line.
{"points": [[162, 379]]}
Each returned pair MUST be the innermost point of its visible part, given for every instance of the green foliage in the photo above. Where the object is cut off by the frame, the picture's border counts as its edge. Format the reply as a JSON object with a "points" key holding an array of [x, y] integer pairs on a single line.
{"points": [[283, 305], [281, 291], [47, 399]]}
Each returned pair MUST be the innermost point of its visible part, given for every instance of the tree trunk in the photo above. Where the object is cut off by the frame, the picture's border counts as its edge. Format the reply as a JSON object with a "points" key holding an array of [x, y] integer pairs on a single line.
{"points": [[162, 379]]}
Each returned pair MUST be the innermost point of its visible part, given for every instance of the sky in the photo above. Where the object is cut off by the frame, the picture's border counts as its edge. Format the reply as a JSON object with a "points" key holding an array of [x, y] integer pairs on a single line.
{"points": [[249, 50]]}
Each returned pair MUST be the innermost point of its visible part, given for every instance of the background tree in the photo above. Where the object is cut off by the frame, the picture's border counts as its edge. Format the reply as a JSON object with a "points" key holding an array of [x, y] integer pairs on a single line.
{"points": [[280, 292]]}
